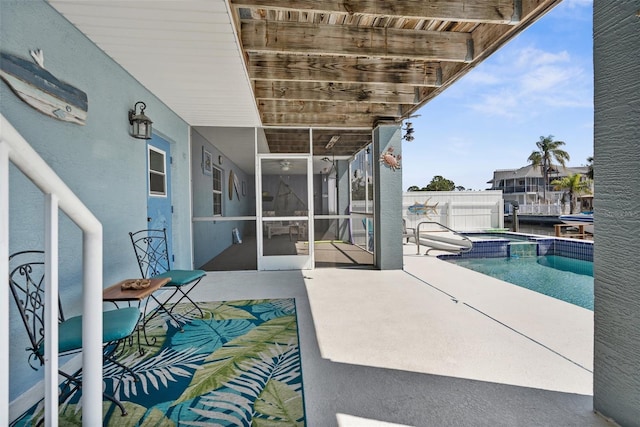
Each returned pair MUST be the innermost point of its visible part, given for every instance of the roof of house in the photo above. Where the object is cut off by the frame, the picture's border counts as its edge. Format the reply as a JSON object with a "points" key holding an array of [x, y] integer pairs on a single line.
{"points": [[531, 172]]}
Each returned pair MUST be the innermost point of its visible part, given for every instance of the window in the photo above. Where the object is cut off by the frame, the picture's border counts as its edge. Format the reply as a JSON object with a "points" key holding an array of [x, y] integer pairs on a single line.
{"points": [[157, 173], [217, 191]]}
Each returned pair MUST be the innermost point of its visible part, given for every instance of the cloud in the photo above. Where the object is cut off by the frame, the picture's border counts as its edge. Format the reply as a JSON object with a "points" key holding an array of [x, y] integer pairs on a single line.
{"points": [[528, 81], [577, 3]]}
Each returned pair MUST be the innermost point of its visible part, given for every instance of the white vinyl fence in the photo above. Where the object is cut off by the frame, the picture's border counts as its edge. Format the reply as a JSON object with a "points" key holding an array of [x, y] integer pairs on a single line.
{"points": [[458, 210]]}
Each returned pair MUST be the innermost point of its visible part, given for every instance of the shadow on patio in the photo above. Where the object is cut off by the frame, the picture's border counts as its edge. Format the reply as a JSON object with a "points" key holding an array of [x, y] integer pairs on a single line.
{"points": [[387, 347]]}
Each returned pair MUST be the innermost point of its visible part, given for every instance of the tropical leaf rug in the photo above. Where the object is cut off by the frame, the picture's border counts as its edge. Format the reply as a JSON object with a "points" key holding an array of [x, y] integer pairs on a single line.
{"points": [[237, 366]]}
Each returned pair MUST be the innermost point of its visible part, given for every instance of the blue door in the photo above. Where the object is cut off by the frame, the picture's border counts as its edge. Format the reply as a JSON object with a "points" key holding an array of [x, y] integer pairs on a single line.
{"points": [[159, 207]]}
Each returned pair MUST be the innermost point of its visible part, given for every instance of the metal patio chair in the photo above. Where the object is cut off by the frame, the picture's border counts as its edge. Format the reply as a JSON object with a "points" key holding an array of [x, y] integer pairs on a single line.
{"points": [[26, 281], [152, 253]]}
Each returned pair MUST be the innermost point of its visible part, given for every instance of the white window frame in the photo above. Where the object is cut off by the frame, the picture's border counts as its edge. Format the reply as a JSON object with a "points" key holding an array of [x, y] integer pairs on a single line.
{"points": [[151, 171], [215, 170]]}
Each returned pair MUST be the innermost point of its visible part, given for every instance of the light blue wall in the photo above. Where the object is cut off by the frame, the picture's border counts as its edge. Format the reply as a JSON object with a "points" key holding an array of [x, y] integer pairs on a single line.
{"points": [[99, 161], [387, 199], [211, 238], [616, 376]]}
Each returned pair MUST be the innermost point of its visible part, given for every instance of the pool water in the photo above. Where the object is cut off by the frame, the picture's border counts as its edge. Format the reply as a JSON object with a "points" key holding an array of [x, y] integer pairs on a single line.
{"points": [[567, 279]]}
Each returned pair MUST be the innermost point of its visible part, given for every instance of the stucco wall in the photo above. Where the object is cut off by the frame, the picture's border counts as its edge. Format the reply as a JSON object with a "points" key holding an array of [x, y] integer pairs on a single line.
{"points": [[99, 161], [616, 208], [387, 200]]}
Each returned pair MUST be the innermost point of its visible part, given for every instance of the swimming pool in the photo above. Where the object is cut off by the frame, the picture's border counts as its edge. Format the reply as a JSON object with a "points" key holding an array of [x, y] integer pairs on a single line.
{"points": [[567, 279]]}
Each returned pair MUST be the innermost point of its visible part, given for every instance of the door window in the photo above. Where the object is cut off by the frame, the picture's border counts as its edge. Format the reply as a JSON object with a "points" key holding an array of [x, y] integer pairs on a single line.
{"points": [[157, 173]]}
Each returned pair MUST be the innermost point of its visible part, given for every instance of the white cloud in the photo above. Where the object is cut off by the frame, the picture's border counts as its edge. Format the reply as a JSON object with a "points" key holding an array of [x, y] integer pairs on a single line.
{"points": [[526, 82], [577, 3]]}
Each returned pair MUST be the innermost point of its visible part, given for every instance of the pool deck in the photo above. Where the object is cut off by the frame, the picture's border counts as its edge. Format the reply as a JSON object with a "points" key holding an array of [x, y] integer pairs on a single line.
{"points": [[433, 344]]}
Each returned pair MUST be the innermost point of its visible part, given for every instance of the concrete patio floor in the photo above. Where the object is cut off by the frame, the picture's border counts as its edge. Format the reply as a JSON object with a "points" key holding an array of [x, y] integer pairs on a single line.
{"points": [[431, 345]]}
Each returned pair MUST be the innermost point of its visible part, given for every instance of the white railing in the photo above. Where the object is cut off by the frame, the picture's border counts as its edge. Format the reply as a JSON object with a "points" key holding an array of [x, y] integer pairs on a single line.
{"points": [[14, 148], [537, 209]]}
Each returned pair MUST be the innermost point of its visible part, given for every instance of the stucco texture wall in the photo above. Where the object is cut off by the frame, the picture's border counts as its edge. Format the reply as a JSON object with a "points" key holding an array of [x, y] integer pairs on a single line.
{"points": [[387, 200], [99, 161], [616, 208]]}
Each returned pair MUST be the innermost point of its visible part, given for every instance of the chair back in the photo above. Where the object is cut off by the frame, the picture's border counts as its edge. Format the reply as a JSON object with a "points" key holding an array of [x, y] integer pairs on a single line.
{"points": [[152, 251], [26, 281]]}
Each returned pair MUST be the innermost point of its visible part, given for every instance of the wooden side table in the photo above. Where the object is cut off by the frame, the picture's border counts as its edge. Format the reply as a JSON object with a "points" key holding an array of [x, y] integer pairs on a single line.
{"points": [[116, 294]]}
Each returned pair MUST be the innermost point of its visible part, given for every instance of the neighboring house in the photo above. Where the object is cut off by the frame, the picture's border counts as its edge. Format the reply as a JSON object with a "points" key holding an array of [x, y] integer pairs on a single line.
{"points": [[526, 185]]}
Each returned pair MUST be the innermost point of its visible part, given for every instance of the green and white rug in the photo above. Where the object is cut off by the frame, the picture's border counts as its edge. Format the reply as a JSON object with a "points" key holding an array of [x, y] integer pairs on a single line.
{"points": [[237, 366]]}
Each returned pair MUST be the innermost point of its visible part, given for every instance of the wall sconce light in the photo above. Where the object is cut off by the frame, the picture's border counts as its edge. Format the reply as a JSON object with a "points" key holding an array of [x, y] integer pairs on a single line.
{"points": [[408, 129], [408, 135], [140, 124]]}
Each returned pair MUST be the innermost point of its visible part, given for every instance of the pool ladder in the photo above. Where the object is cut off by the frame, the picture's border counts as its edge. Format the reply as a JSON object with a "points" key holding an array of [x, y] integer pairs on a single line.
{"points": [[442, 238]]}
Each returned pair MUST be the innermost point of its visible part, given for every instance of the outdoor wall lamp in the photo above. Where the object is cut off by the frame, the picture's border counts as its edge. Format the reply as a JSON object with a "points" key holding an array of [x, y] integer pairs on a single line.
{"points": [[408, 129], [408, 132], [140, 124]]}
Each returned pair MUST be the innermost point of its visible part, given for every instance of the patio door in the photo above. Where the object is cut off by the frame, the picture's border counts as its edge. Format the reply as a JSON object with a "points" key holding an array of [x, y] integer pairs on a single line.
{"points": [[285, 204], [159, 208]]}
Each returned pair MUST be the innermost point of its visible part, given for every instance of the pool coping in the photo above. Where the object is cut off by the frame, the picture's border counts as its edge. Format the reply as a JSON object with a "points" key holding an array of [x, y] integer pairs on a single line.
{"points": [[559, 327]]}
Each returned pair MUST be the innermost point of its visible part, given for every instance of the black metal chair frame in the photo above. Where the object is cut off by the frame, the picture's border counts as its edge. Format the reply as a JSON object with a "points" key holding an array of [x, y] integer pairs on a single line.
{"points": [[26, 281], [152, 253]]}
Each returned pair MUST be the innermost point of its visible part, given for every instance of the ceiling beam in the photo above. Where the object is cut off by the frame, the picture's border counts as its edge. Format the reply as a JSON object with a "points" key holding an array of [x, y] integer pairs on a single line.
{"points": [[335, 120], [281, 66], [343, 40], [492, 11], [330, 91]]}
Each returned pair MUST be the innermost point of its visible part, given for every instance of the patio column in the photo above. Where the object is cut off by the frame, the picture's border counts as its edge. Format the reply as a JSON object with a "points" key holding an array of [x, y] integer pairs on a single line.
{"points": [[387, 138], [616, 377]]}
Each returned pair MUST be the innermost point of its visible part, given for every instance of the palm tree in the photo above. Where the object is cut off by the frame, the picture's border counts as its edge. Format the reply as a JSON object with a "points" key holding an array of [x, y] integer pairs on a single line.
{"points": [[574, 185], [548, 150], [590, 167]]}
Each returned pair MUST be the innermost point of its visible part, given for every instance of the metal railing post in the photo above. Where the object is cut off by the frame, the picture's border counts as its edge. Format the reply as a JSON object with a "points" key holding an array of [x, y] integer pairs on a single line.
{"points": [[27, 160], [4, 273], [51, 311]]}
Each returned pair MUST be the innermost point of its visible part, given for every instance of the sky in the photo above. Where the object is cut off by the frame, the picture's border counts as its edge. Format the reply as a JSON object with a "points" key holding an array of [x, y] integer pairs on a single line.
{"points": [[538, 84]]}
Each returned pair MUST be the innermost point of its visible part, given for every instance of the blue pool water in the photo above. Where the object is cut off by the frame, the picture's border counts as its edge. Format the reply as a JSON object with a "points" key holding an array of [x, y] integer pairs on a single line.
{"points": [[567, 279]]}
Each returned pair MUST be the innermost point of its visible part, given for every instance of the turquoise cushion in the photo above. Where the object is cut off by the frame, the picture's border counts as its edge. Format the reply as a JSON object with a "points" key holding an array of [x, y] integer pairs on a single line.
{"points": [[182, 277], [116, 325]]}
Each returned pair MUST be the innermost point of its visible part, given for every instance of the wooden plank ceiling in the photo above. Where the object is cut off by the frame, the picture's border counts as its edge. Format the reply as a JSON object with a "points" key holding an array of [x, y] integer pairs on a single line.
{"points": [[349, 64]]}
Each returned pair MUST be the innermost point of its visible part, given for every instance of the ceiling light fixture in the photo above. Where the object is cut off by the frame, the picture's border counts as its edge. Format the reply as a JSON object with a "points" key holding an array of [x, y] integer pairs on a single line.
{"points": [[332, 142], [285, 165]]}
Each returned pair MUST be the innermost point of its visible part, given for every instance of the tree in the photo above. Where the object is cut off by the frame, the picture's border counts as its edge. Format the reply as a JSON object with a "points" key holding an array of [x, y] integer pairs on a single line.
{"points": [[413, 188], [548, 150], [439, 183], [460, 188], [573, 185], [590, 167]]}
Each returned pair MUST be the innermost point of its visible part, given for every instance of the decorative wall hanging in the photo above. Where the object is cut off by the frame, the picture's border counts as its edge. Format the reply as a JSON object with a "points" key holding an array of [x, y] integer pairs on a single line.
{"points": [[423, 209], [236, 185], [232, 179], [41, 89], [390, 160], [206, 162]]}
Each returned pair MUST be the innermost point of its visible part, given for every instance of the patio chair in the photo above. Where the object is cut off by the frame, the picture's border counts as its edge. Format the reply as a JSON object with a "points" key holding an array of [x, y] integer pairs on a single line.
{"points": [[26, 281], [408, 233], [152, 254]]}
